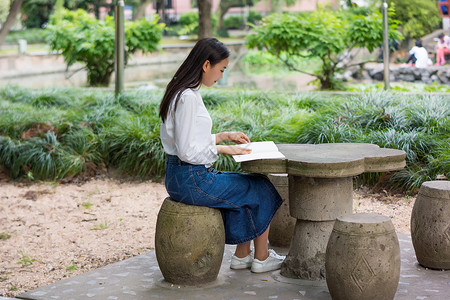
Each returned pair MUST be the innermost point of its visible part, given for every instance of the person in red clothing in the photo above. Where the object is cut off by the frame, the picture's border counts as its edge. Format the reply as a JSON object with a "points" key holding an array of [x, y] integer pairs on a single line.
{"points": [[442, 49]]}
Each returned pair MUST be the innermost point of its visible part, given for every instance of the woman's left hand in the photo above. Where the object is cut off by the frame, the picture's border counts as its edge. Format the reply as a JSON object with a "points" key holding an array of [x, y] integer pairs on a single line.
{"points": [[238, 138]]}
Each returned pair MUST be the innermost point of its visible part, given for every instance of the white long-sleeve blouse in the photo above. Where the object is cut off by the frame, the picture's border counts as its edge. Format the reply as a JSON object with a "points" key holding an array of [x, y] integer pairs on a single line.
{"points": [[187, 132]]}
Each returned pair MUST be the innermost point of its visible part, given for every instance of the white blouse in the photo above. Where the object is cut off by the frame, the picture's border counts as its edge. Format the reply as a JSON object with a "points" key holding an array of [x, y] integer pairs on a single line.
{"points": [[187, 133]]}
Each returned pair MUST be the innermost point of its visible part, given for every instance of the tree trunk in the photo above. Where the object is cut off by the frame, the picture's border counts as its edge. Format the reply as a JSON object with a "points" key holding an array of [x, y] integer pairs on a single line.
{"points": [[100, 76], [222, 9], [276, 6], [163, 11], [140, 10], [204, 18], [14, 10]]}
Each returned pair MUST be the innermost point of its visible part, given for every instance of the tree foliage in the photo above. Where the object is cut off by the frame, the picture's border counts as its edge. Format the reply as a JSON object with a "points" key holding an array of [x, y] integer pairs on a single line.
{"points": [[190, 23], [325, 34], [419, 17], [82, 38]]}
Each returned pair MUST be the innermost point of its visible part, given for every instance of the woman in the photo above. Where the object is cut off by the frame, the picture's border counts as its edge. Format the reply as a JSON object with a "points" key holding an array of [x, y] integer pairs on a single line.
{"points": [[247, 202], [442, 49]]}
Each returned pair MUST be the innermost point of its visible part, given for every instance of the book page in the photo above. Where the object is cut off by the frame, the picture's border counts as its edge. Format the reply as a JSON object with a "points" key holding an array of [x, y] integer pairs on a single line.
{"points": [[260, 150]]}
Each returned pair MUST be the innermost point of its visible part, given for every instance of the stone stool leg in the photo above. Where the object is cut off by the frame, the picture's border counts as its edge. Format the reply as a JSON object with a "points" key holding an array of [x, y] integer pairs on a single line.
{"points": [[430, 225], [363, 258], [282, 225], [189, 243], [315, 203]]}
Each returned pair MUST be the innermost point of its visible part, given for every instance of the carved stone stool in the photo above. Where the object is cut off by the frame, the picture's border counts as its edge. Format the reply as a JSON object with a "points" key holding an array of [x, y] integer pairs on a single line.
{"points": [[362, 259], [430, 225], [189, 243], [282, 225]]}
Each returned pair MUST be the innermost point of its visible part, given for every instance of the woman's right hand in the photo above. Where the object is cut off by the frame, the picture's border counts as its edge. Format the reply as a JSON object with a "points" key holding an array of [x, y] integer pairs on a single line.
{"points": [[232, 150]]}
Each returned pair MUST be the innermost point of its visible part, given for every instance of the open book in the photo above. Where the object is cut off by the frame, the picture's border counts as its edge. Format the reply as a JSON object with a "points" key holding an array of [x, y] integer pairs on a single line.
{"points": [[260, 150]]}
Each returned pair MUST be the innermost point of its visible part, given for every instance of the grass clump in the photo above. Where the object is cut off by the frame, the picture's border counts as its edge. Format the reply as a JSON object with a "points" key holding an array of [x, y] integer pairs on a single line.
{"points": [[4, 236]]}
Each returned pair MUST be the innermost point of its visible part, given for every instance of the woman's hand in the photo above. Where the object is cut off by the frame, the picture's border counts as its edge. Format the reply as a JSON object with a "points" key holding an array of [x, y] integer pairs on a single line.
{"points": [[238, 138], [232, 150], [235, 137]]}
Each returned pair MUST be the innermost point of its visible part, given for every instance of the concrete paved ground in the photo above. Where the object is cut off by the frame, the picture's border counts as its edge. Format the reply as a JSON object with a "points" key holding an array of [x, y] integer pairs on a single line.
{"points": [[139, 278]]}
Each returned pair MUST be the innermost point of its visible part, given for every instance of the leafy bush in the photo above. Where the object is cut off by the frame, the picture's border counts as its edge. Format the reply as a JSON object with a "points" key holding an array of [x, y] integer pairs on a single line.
{"points": [[233, 22], [83, 39], [254, 17], [189, 20], [33, 35], [262, 62]]}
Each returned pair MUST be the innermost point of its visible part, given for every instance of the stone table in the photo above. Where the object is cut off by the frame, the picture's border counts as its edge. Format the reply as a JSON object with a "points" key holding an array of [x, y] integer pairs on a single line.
{"points": [[320, 190]]}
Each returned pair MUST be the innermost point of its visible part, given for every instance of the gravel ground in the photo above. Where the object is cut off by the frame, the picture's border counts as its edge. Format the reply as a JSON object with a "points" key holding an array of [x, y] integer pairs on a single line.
{"points": [[52, 231]]}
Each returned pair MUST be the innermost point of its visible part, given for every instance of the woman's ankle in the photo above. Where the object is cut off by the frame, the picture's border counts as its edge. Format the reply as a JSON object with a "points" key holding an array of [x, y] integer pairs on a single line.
{"points": [[262, 255], [242, 251]]}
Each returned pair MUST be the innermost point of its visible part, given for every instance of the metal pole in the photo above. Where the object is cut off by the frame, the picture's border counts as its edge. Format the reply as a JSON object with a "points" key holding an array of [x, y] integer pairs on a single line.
{"points": [[385, 45], [119, 45]]}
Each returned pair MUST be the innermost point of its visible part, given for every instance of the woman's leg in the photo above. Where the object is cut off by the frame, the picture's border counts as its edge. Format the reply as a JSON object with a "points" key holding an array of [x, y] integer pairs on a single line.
{"points": [[242, 250], [261, 248], [439, 55], [411, 58], [265, 260], [445, 51]]}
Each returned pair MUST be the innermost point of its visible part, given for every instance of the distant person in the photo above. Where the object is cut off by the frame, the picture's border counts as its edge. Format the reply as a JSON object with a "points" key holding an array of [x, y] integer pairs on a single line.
{"points": [[442, 48], [393, 46], [418, 56]]}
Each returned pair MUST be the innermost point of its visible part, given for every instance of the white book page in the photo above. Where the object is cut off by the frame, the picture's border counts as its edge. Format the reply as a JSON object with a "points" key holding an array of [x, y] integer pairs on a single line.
{"points": [[260, 150]]}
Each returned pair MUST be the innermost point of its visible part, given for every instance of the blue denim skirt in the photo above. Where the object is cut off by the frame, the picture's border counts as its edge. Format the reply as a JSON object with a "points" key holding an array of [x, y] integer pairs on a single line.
{"points": [[248, 202]]}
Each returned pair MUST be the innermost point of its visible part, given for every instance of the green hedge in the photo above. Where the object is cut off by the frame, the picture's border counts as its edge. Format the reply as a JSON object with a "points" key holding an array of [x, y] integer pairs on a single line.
{"points": [[32, 36], [51, 134]]}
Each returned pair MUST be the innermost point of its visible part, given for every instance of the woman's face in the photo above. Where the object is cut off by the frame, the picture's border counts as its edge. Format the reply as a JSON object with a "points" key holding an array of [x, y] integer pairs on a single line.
{"points": [[213, 73]]}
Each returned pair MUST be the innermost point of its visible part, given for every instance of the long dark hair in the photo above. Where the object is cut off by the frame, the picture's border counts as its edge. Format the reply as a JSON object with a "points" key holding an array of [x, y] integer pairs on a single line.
{"points": [[190, 73]]}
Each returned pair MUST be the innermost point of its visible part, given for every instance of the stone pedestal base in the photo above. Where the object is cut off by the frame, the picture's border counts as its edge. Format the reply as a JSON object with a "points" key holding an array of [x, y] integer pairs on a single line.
{"points": [[316, 203], [306, 260], [320, 199]]}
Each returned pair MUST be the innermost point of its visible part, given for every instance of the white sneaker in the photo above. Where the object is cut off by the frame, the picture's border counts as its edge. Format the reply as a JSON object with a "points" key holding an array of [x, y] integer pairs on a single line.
{"points": [[241, 263], [272, 263]]}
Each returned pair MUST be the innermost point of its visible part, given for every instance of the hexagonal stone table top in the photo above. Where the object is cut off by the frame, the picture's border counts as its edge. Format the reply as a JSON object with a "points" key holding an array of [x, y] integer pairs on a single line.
{"points": [[329, 160]]}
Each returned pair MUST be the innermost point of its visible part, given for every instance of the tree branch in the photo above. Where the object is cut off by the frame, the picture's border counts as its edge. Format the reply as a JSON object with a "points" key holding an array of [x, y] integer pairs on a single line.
{"points": [[292, 68], [14, 10]]}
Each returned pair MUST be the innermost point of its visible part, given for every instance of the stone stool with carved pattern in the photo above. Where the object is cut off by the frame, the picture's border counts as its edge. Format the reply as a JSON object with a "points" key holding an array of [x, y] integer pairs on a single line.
{"points": [[362, 259]]}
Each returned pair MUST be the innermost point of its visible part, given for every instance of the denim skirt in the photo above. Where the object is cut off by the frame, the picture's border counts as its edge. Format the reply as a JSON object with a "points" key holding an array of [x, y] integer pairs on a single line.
{"points": [[248, 202]]}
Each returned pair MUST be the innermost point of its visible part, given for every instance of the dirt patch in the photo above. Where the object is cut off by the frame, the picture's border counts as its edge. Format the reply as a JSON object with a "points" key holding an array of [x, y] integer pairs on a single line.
{"points": [[53, 231]]}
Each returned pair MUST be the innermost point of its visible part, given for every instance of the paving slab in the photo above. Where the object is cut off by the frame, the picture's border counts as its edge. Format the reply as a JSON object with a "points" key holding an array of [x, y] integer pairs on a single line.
{"points": [[140, 278]]}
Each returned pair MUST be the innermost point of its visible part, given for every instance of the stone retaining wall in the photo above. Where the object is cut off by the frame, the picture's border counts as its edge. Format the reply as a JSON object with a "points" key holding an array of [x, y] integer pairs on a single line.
{"points": [[32, 64], [438, 74]]}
